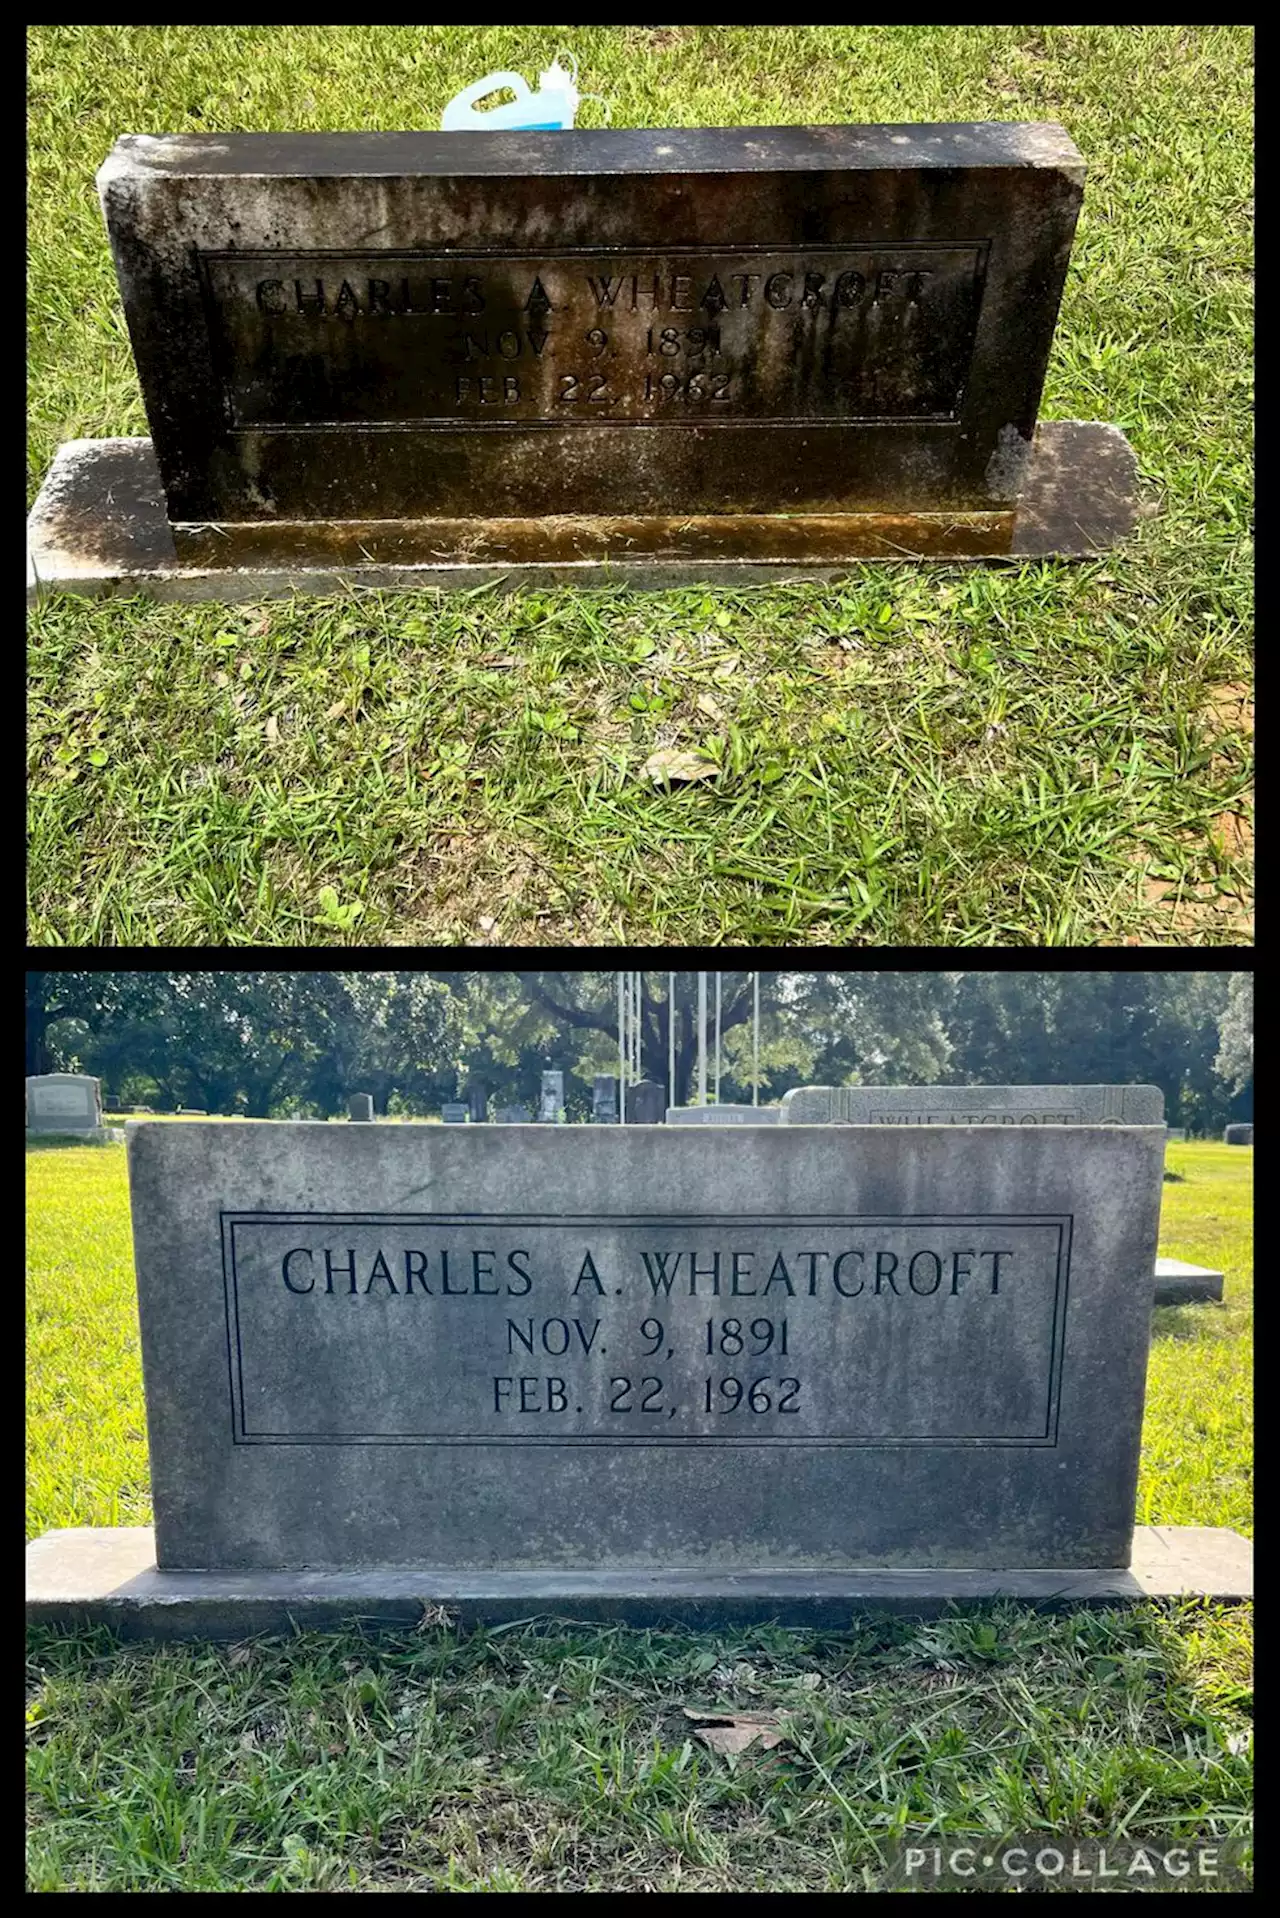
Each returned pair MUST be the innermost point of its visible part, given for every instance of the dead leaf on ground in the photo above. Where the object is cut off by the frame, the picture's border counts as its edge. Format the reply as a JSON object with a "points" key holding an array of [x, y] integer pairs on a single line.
{"points": [[733, 1732], [273, 730], [710, 706], [670, 765]]}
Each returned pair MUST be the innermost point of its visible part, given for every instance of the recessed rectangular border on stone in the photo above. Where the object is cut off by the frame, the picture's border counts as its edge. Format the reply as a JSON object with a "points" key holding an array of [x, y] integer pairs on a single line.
{"points": [[1059, 1226]]}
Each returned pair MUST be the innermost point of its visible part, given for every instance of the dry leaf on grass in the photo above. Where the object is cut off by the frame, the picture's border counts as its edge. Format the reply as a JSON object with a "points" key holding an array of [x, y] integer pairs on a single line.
{"points": [[273, 730], [733, 1732], [670, 764]]}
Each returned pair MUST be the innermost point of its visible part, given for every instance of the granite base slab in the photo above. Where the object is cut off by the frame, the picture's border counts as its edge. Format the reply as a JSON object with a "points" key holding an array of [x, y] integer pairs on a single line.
{"points": [[1178, 1283], [107, 1576], [99, 526]]}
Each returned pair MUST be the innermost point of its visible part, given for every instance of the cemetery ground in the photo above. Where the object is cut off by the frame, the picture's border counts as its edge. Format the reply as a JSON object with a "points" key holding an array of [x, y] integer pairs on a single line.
{"points": [[555, 1756], [1041, 754]]}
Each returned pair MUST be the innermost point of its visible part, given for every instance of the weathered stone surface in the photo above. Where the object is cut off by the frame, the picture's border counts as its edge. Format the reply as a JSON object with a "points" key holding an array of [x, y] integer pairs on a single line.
{"points": [[1238, 1135], [646, 1103], [604, 1099], [360, 1107], [63, 1102], [513, 1115], [973, 1105], [99, 527], [376, 326], [1178, 1283], [454, 1112], [337, 1321], [723, 1115], [107, 1576], [551, 1098], [477, 1101]]}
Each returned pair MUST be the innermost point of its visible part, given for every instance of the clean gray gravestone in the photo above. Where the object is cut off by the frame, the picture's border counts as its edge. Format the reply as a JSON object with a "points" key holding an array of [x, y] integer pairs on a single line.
{"points": [[64, 1102], [1238, 1135], [477, 1101], [723, 1115], [454, 1113], [551, 1102], [778, 1373], [360, 1108], [973, 1105], [646, 1103], [604, 1099], [664, 354]]}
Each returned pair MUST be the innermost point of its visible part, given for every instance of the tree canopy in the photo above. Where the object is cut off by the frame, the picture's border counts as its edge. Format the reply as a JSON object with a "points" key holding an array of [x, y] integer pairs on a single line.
{"points": [[274, 1044]]}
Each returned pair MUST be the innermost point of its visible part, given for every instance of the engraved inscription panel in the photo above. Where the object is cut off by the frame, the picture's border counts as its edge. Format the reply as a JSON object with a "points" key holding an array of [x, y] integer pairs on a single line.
{"points": [[589, 338], [442, 1329], [62, 1101]]}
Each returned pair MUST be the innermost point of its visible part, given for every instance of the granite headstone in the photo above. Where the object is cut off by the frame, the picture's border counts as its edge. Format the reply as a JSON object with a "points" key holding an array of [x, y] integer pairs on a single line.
{"points": [[751, 345], [974, 1105], [64, 1102], [646, 1103], [1238, 1135], [454, 1112], [551, 1099], [604, 1099], [723, 1115], [360, 1107], [823, 1348]]}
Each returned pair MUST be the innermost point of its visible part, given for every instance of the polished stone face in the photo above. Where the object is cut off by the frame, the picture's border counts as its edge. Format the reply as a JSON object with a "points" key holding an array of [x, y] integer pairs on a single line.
{"points": [[723, 1115], [63, 1102], [973, 1105], [382, 327], [616, 1346]]}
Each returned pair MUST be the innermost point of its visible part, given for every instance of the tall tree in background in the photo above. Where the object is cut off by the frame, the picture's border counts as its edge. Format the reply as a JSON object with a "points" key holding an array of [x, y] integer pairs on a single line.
{"points": [[1234, 1063]]}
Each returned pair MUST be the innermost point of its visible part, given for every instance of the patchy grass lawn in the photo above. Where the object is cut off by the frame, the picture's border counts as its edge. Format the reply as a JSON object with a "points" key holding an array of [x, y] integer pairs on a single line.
{"points": [[559, 1757], [1035, 754]]}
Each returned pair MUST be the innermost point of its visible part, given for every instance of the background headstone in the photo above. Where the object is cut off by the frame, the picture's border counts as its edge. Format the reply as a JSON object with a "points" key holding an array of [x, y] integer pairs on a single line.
{"points": [[1238, 1135], [604, 1099], [454, 1113], [723, 1115], [514, 1115], [646, 1103], [63, 1102], [477, 1101], [973, 1105], [551, 1103], [360, 1107]]}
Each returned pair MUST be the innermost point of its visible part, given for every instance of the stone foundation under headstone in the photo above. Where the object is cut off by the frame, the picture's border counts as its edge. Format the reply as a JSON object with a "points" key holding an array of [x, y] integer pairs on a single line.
{"points": [[83, 1578]]}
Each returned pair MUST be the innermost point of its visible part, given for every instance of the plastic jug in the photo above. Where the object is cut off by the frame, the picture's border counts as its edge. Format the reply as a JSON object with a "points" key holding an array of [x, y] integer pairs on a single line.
{"points": [[553, 105]]}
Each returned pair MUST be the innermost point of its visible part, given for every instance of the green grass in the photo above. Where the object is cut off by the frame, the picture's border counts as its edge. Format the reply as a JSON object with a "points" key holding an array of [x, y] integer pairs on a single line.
{"points": [[552, 1757], [1036, 754]]}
